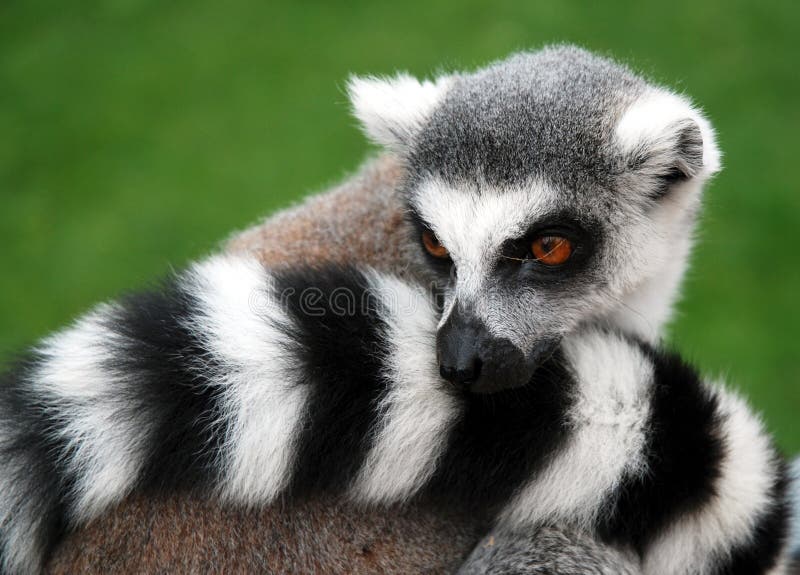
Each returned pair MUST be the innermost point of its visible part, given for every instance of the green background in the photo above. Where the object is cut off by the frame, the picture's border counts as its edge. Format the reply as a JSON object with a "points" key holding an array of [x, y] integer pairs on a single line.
{"points": [[135, 135]]}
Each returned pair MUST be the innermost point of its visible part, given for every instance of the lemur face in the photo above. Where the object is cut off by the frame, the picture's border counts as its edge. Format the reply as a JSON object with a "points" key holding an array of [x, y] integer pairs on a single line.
{"points": [[546, 191]]}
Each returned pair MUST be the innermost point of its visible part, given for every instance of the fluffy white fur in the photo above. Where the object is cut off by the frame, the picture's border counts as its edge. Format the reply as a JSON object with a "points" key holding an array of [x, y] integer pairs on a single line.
{"points": [[665, 240], [106, 434], [417, 410], [264, 401], [392, 109], [608, 437], [649, 119]]}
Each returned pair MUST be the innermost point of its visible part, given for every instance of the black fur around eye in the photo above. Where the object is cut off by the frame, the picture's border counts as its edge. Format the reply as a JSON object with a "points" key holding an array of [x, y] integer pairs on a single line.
{"points": [[555, 249]]}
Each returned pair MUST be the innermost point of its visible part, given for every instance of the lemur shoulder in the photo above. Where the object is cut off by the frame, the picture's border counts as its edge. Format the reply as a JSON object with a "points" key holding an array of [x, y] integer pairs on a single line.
{"points": [[556, 148]]}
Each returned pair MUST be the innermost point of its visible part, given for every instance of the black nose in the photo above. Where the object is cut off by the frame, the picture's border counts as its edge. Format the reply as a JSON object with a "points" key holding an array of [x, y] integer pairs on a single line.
{"points": [[462, 375], [460, 342]]}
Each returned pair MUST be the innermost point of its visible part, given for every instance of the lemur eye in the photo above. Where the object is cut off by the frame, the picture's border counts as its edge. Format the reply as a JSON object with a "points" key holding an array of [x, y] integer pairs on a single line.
{"points": [[433, 245], [551, 250]]}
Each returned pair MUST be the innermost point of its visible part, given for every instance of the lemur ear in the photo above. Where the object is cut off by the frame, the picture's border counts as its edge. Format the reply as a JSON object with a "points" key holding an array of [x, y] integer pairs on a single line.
{"points": [[666, 140], [392, 110]]}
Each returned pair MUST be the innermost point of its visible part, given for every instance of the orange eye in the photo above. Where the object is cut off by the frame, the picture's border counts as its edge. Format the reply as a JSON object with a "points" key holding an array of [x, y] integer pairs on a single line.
{"points": [[433, 245], [551, 250]]}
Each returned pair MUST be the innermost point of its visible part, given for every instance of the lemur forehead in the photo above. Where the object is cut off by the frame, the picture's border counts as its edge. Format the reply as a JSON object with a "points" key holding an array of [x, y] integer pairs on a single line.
{"points": [[550, 113], [473, 223]]}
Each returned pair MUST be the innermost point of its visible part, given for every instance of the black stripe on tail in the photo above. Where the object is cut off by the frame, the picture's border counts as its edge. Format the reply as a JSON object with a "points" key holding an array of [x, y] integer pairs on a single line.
{"points": [[338, 337], [169, 373]]}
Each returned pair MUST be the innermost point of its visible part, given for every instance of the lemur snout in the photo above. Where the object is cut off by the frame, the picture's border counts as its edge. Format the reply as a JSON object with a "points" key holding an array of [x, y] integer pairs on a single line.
{"points": [[462, 374], [473, 359], [459, 343]]}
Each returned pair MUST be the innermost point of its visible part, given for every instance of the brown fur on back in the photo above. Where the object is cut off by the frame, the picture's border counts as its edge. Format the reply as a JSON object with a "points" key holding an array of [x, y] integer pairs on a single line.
{"points": [[185, 534], [360, 221]]}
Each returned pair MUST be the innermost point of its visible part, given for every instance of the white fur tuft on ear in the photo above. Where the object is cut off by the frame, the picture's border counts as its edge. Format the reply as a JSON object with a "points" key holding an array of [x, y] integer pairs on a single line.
{"points": [[391, 110], [660, 119]]}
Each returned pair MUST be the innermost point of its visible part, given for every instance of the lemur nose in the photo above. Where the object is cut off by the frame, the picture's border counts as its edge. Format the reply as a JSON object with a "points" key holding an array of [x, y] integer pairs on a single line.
{"points": [[465, 375], [459, 344]]}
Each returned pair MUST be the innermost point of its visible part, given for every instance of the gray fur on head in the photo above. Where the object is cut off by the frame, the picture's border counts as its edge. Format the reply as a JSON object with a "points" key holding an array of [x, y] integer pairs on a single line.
{"points": [[546, 114], [553, 139]]}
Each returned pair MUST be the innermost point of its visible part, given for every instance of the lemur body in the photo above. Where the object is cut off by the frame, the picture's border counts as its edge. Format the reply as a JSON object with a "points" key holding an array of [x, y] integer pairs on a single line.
{"points": [[640, 156]]}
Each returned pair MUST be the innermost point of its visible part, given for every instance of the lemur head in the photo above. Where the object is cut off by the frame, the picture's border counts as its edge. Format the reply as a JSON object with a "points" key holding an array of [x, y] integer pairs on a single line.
{"points": [[548, 190]]}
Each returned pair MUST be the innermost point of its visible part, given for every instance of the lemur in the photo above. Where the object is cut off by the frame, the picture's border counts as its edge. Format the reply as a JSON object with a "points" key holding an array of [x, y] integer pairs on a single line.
{"points": [[545, 194]]}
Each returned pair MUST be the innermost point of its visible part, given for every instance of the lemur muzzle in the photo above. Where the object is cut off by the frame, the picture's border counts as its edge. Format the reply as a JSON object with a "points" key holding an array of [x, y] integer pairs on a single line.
{"points": [[475, 360]]}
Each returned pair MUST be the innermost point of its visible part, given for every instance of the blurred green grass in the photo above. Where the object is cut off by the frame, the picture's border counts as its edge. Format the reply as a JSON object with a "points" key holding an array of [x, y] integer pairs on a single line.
{"points": [[136, 134]]}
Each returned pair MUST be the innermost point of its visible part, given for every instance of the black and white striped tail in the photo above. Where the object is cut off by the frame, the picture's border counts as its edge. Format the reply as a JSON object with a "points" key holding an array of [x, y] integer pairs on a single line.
{"points": [[248, 384]]}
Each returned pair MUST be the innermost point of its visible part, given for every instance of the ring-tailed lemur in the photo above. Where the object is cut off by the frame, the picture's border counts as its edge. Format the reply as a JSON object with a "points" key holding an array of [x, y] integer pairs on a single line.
{"points": [[623, 158], [248, 386]]}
